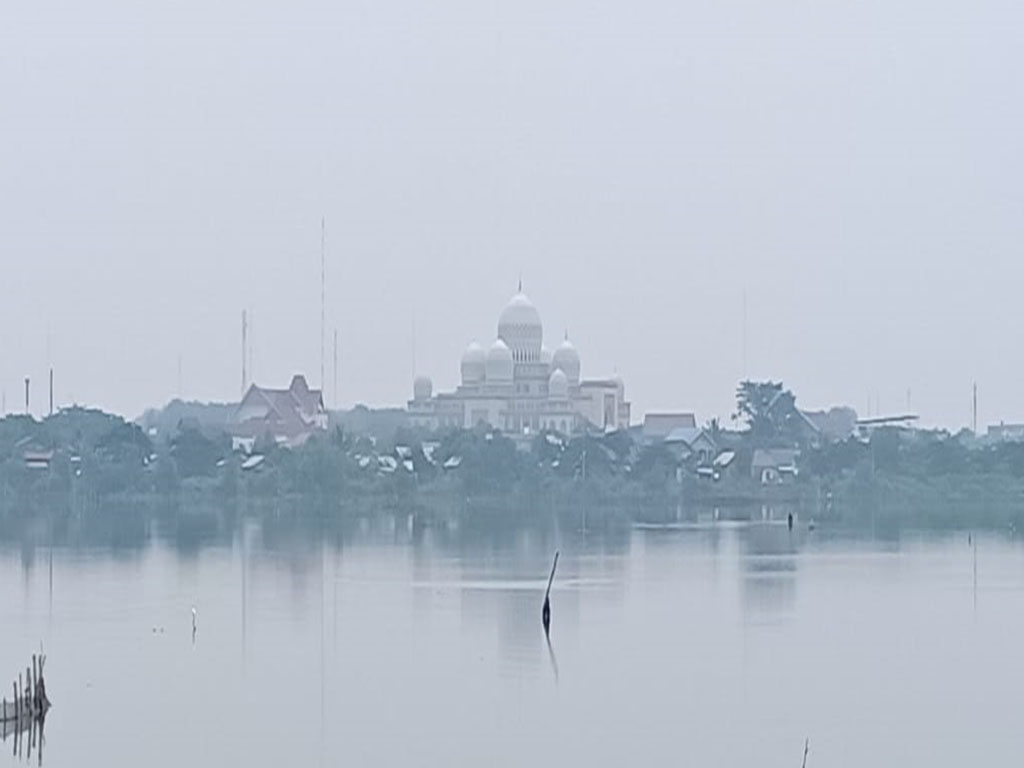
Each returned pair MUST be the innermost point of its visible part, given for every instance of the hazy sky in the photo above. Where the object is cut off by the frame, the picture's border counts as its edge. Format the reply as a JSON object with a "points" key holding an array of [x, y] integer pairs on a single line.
{"points": [[856, 167]]}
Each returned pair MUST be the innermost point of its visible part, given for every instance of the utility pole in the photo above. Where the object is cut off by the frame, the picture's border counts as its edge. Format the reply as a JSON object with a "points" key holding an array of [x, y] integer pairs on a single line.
{"points": [[26, 394], [51, 391], [974, 417]]}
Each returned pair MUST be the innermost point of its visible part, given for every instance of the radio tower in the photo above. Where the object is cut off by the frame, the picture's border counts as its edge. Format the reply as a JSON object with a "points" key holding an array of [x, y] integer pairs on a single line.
{"points": [[245, 331], [323, 299], [974, 414]]}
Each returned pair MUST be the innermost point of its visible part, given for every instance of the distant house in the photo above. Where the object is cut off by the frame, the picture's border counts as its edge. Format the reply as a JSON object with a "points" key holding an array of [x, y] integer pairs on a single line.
{"points": [[791, 421], [692, 443], [657, 426], [287, 416], [771, 466], [1006, 433], [835, 424], [252, 462], [904, 423], [38, 458], [723, 462]]}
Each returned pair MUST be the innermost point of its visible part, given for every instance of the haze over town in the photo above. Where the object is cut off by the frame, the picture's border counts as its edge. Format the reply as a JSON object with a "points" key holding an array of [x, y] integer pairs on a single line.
{"points": [[642, 167]]}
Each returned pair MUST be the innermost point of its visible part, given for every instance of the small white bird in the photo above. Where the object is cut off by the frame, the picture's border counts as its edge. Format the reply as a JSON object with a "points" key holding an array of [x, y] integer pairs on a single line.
{"points": [[193, 619]]}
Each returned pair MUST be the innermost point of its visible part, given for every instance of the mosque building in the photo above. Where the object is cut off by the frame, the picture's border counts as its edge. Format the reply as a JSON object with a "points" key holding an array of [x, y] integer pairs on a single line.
{"points": [[518, 386]]}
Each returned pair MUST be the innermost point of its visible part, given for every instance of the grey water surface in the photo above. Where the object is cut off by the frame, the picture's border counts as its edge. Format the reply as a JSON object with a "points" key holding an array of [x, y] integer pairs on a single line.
{"points": [[391, 645]]}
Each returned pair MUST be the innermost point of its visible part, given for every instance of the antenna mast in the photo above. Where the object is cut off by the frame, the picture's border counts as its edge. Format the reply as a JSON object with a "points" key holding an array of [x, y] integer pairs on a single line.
{"points": [[744, 338], [323, 296], [974, 420], [245, 331], [252, 353]]}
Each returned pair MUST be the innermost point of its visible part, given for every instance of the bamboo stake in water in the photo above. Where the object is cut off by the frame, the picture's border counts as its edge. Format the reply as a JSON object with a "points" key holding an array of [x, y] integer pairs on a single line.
{"points": [[546, 612]]}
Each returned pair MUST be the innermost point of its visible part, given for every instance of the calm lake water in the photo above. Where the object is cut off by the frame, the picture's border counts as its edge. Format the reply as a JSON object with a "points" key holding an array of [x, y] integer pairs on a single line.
{"points": [[722, 645]]}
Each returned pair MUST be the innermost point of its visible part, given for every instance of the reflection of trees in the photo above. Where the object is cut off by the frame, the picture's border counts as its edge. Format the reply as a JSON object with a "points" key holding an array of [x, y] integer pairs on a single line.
{"points": [[768, 568]]}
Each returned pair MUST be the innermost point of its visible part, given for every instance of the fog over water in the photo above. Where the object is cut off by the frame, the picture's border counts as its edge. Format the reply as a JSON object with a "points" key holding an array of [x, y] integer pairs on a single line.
{"points": [[852, 167], [391, 645]]}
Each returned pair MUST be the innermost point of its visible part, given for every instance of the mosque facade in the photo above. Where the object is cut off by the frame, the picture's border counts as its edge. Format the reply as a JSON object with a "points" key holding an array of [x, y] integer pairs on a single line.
{"points": [[520, 387]]}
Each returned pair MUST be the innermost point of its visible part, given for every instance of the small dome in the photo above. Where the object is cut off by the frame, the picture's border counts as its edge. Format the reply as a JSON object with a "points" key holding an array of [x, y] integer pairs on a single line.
{"points": [[422, 388], [567, 360], [499, 362], [474, 364], [558, 386]]}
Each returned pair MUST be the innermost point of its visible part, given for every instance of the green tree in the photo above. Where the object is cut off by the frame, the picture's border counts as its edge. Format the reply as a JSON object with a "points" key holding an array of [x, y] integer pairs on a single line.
{"points": [[757, 403], [195, 454]]}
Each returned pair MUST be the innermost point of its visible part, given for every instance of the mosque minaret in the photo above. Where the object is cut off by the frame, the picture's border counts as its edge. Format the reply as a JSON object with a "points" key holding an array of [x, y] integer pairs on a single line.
{"points": [[518, 386]]}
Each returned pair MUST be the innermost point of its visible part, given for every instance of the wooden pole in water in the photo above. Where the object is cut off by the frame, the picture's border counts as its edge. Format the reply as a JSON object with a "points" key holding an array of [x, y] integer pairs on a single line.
{"points": [[42, 682], [17, 692], [545, 614], [35, 684]]}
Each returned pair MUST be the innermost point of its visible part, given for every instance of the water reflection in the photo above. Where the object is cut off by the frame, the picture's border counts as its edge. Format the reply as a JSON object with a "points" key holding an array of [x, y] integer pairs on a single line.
{"points": [[429, 625], [552, 658], [27, 737], [278, 539]]}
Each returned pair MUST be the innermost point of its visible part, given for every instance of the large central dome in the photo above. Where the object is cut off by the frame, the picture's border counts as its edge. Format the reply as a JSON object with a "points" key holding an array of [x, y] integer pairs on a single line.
{"points": [[519, 326]]}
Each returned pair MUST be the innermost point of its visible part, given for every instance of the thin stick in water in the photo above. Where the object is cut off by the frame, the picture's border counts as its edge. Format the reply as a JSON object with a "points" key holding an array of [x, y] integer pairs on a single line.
{"points": [[545, 614]]}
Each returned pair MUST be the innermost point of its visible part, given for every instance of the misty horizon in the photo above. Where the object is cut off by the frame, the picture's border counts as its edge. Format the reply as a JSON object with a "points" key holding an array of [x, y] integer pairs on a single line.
{"points": [[642, 169]]}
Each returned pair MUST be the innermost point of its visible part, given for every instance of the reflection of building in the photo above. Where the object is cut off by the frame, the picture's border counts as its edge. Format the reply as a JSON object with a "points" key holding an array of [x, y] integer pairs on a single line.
{"points": [[286, 416], [769, 569], [517, 385]]}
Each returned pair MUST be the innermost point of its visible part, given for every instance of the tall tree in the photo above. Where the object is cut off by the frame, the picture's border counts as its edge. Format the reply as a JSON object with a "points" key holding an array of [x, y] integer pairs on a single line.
{"points": [[759, 404]]}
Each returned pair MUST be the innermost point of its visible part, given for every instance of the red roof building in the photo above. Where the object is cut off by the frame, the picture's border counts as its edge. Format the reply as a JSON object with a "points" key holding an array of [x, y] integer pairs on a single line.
{"points": [[287, 416]]}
